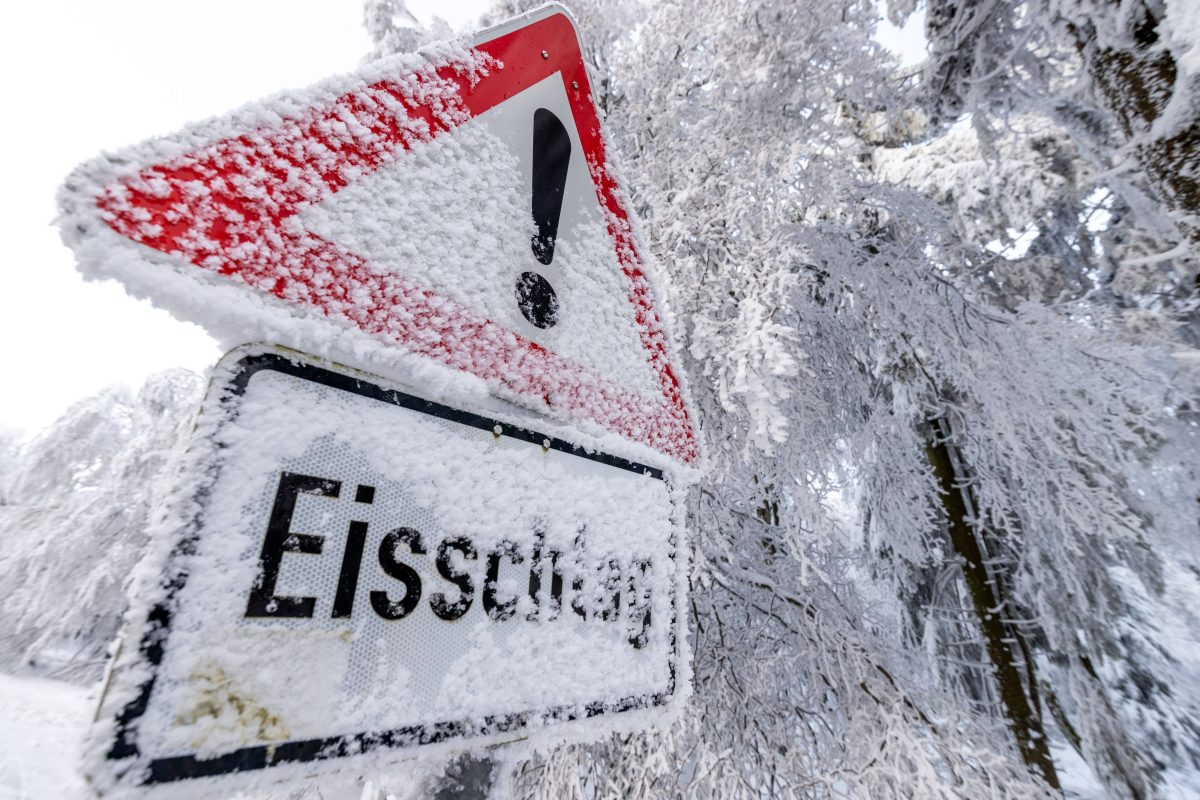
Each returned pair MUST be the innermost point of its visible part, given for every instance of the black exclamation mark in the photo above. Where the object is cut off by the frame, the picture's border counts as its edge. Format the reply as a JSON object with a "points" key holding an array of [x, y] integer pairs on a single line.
{"points": [[551, 155]]}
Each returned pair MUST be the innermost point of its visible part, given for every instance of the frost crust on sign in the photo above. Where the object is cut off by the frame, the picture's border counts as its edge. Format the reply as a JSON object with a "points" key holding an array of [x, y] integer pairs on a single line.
{"points": [[454, 215], [461, 631], [292, 200]]}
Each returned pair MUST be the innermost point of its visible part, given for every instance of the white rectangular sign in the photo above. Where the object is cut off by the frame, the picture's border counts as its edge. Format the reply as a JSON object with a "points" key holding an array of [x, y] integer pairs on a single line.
{"points": [[361, 570]]}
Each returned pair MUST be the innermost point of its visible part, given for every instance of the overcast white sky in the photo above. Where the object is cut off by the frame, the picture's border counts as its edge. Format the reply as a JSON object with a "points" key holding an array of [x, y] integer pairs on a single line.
{"points": [[81, 76]]}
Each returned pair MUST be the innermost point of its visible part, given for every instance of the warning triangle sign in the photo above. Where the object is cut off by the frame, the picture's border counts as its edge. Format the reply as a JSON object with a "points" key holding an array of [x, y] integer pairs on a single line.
{"points": [[457, 205]]}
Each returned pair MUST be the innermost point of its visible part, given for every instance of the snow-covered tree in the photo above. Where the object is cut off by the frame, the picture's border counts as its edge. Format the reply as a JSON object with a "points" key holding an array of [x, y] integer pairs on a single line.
{"points": [[74, 510], [850, 339], [1119, 80], [939, 328]]}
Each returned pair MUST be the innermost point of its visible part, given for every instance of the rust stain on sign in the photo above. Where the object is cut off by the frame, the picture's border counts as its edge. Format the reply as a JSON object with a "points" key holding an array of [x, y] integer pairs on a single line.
{"points": [[219, 705]]}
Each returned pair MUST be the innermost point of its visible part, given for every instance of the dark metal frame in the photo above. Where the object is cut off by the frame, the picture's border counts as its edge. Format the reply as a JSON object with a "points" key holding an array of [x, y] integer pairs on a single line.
{"points": [[157, 629]]}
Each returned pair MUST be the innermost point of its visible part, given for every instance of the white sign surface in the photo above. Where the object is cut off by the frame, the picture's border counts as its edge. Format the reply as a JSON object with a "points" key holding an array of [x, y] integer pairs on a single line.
{"points": [[362, 570]]}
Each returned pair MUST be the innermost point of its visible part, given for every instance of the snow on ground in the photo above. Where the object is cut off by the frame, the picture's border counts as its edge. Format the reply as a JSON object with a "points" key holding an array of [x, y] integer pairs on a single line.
{"points": [[41, 731]]}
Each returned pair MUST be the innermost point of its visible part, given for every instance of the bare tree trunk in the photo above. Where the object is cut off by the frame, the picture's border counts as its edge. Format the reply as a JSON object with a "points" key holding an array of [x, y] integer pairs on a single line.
{"points": [[1020, 705]]}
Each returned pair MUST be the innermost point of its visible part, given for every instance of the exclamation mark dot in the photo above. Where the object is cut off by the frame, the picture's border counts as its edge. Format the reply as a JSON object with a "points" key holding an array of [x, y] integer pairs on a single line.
{"points": [[551, 155]]}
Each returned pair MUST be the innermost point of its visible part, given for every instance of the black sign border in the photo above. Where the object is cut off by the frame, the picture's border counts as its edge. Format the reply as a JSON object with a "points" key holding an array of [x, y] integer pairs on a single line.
{"points": [[246, 759]]}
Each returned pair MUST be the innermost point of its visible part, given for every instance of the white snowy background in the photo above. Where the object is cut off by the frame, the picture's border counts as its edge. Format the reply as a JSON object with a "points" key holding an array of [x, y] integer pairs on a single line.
{"points": [[94, 76]]}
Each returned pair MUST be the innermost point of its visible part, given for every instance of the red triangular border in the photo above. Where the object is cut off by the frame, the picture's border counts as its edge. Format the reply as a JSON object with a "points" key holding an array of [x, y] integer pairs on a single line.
{"points": [[226, 207]]}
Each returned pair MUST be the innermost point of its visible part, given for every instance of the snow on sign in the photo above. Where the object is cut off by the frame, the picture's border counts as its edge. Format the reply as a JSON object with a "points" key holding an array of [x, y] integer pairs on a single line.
{"points": [[354, 570], [456, 205]]}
